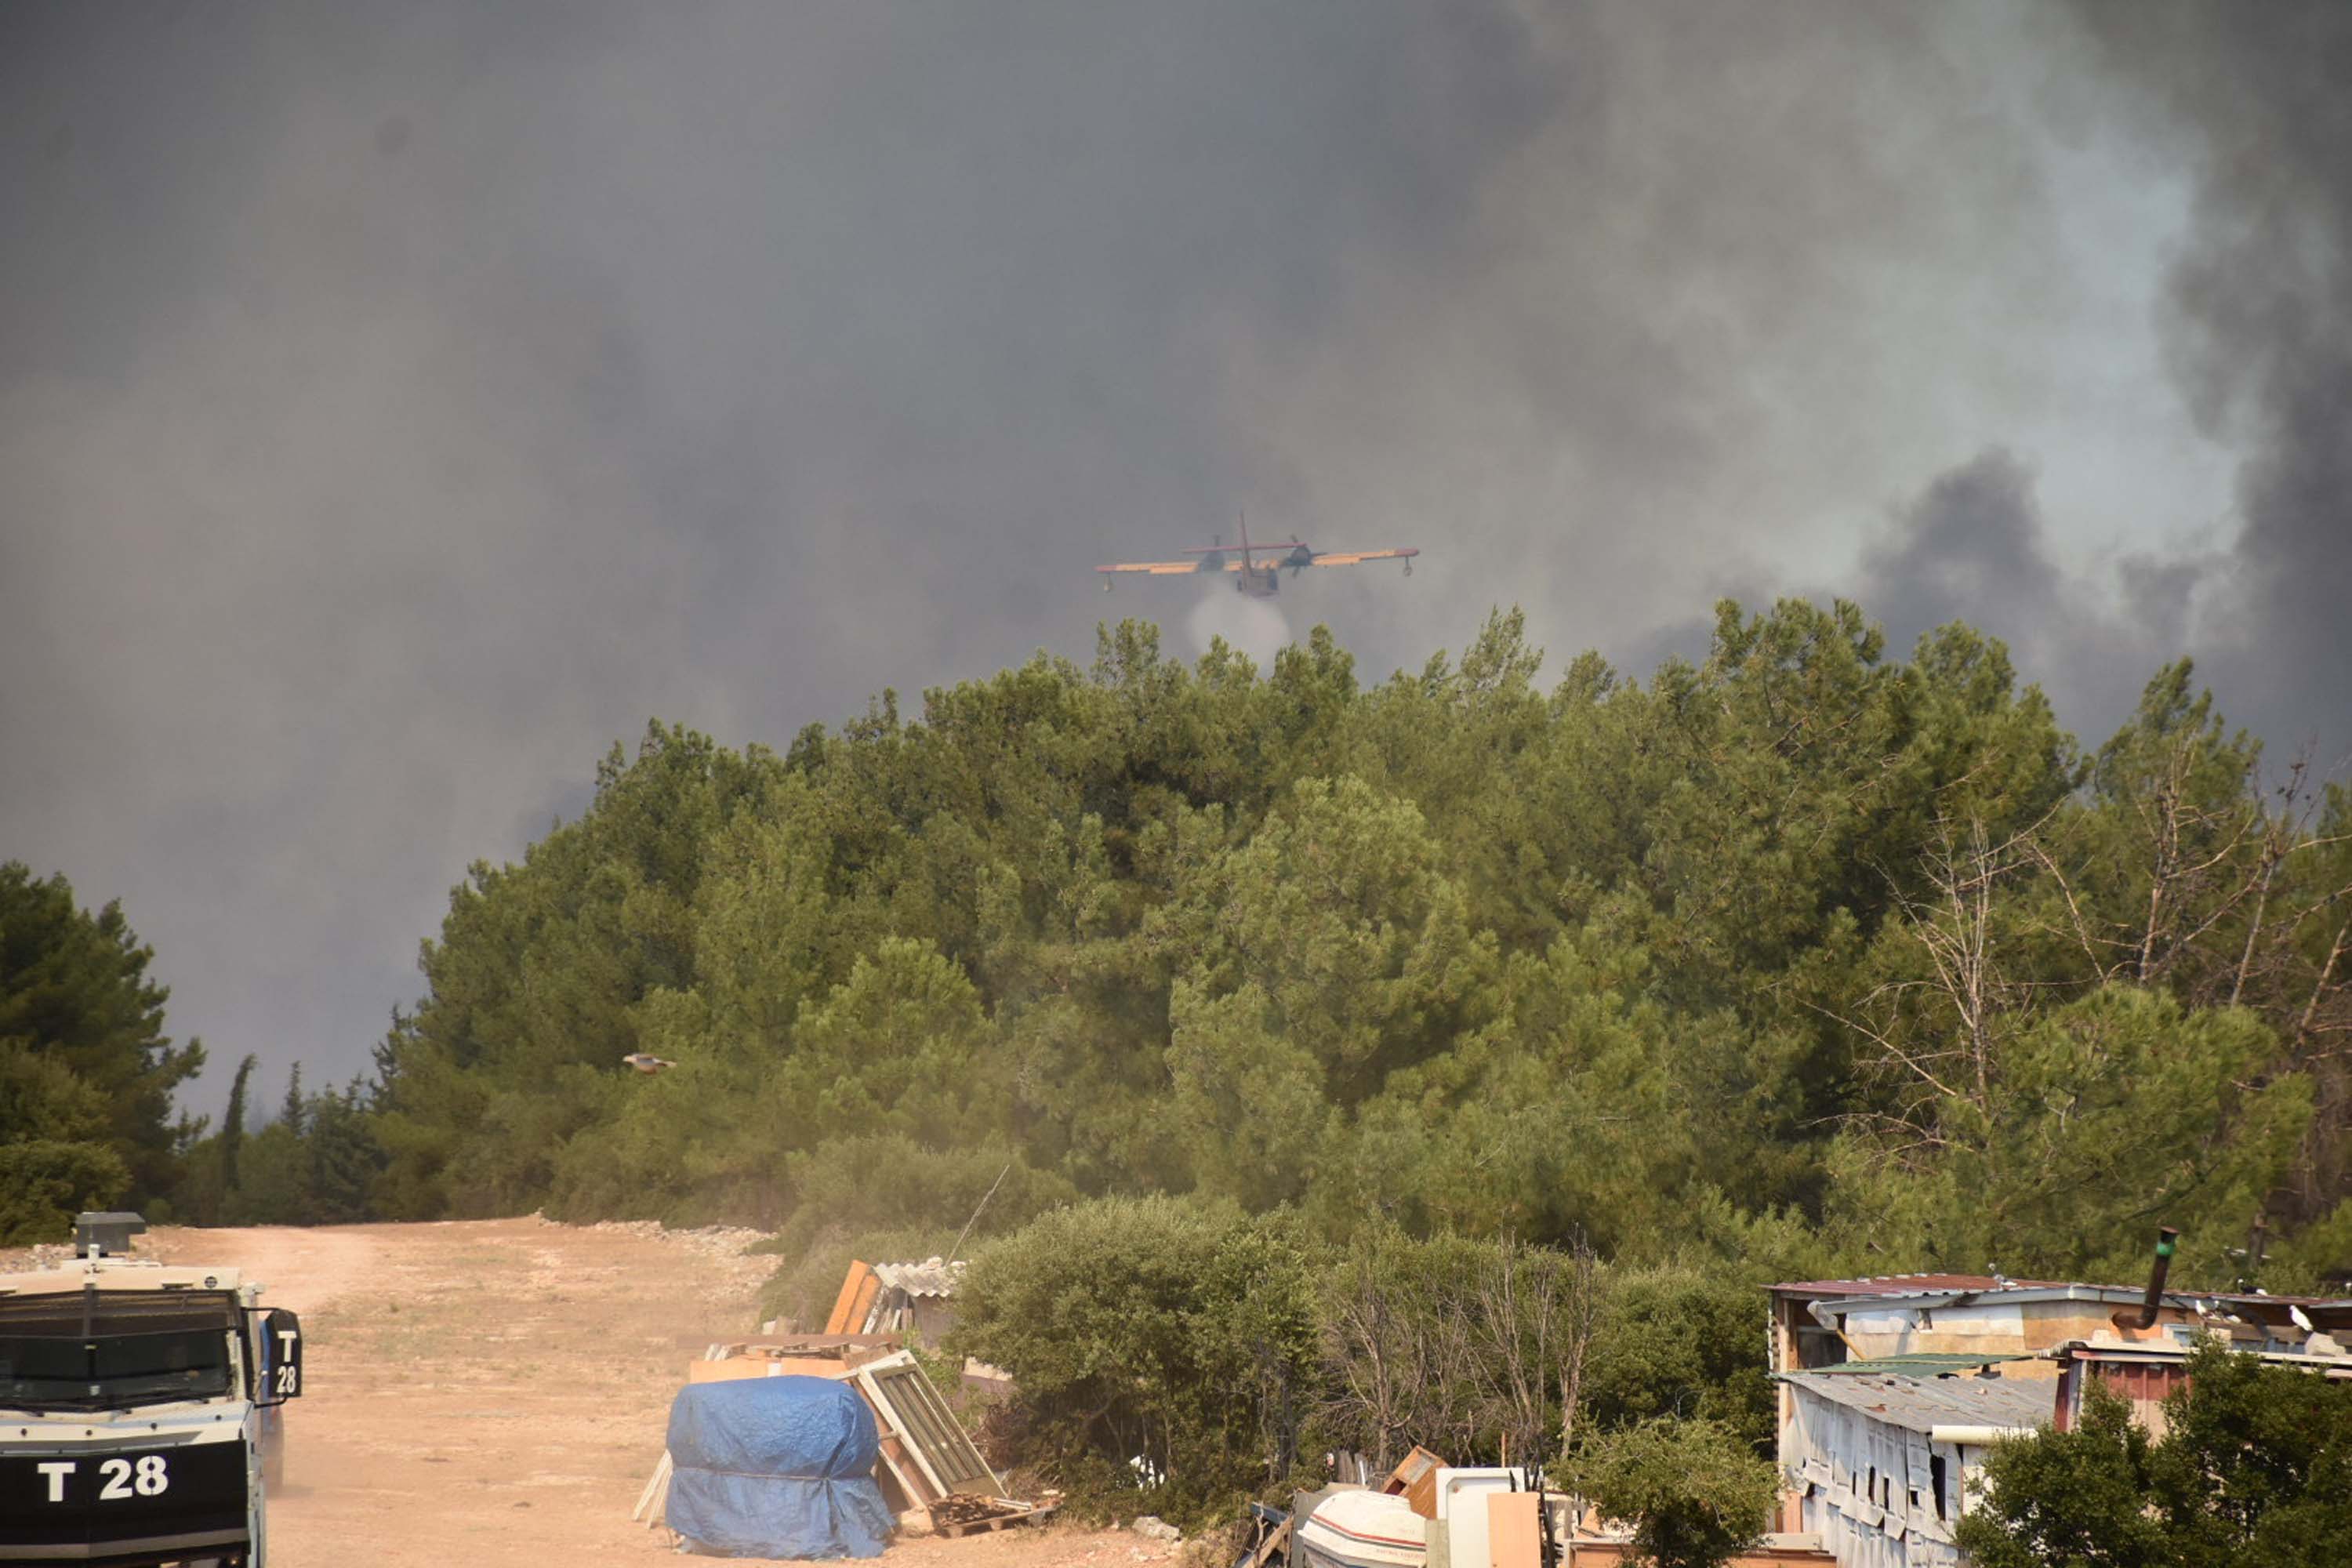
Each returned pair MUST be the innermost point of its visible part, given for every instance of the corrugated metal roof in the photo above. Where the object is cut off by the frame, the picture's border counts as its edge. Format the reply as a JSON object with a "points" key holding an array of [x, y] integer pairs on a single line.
{"points": [[1898, 1287], [1922, 1363], [1917, 1404], [2157, 1351], [932, 1277], [1909, 1285]]}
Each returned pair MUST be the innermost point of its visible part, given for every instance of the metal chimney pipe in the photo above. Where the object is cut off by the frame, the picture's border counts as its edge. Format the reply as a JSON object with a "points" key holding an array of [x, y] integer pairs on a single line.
{"points": [[2164, 1237]]}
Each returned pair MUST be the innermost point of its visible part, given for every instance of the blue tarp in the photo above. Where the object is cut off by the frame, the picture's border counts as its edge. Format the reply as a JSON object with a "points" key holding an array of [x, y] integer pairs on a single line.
{"points": [[775, 1467]]}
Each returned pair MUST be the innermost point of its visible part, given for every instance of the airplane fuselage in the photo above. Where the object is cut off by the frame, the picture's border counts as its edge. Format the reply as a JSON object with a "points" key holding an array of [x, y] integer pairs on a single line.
{"points": [[1252, 578]]}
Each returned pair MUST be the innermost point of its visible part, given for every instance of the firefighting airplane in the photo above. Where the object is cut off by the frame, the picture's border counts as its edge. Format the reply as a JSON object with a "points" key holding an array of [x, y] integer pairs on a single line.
{"points": [[1257, 568]]}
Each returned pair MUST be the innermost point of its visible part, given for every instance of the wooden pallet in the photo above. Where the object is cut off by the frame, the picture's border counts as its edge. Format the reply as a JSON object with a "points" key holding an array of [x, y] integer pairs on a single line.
{"points": [[959, 1516]]}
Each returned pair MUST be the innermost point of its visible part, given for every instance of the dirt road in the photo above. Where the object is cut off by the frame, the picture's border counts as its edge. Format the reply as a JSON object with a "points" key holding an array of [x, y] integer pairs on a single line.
{"points": [[494, 1393]]}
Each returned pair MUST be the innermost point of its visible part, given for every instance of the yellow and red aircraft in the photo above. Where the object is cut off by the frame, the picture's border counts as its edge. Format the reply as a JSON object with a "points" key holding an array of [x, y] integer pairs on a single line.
{"points": [[1257, 568]]}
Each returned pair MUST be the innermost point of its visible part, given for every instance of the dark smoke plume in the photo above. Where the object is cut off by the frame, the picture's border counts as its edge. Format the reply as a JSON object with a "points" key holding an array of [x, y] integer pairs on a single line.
{"points": [[399, 403], [2259, 329], [1974, 546]]}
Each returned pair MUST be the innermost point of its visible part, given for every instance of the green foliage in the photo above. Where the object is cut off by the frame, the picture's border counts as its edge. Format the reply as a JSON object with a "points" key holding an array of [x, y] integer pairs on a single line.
{"points": [[538, 982], [2254, 1471], [1183, 1334], [1805, 958], [1803, 929], [316, 1162], [231, 1147], [1694, 1490], [1558, 1019], [2079, 1497], [1680, 1344], [900, 1046], [44, 1183], [2073, 1133], [85, 1071], [343, 1156]]}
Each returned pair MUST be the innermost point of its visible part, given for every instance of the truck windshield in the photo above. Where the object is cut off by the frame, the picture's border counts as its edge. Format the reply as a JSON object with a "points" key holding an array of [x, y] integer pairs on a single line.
{"points": [[101, 1350]]}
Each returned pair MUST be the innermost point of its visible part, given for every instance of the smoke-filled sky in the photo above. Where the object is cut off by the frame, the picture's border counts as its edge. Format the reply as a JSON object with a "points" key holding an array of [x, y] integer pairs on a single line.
{"points": [[398, 404]]}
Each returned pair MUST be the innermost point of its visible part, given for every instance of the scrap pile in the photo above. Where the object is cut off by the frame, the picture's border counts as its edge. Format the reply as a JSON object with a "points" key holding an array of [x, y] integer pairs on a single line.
{"points": [[896, 1298], [790, 1355], [926, 1453], [1425, 1514], [928, 1463], [959, 1515]]}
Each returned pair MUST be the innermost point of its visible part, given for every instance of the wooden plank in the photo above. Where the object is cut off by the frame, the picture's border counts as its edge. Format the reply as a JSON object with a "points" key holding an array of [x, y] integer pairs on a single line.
{"points": [[1276, 1539], [858, 1287], [656, 1493], [908, 1480], [1411, 1468], [1514, 1532], [897, 1454]]}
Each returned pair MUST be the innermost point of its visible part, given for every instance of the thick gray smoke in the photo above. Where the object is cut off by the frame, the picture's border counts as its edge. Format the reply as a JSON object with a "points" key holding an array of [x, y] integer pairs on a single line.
{"points": [[1975, 546], [2258, 100], [398, 404]]}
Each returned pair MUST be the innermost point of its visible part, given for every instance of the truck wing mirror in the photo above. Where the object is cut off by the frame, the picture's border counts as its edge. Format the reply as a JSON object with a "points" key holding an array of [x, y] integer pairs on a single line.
{"points": [[279, 1366]]}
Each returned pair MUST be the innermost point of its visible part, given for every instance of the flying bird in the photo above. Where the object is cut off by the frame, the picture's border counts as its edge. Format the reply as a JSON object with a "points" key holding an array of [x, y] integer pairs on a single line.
{"points": [[2301, 1319], [646, 1061]]}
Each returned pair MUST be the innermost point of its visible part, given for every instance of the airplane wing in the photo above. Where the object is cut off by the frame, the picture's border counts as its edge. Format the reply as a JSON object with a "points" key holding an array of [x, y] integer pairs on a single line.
{"points": [[1168, 568], [1234, 563], [1287, 556]]}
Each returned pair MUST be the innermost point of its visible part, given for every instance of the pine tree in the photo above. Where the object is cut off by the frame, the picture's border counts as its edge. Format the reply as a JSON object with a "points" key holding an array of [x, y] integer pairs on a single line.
{"points": [[344, 1157], [232, 1133], [74, 994]]}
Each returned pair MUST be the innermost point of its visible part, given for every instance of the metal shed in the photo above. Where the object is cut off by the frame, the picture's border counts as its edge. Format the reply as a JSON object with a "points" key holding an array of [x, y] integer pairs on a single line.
{"points": [[1880, 1462]]}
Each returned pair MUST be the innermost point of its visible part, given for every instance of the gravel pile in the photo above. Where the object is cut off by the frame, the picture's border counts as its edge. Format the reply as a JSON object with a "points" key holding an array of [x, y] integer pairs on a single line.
{"points": [[722, 1243], [41, 1255]]}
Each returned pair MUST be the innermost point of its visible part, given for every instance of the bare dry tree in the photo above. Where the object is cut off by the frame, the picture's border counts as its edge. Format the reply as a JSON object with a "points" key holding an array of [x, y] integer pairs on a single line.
{"points": [[1380, 1365], [1938, 1032], [1485, 1359], [2224, 897], [1394, 1354]]}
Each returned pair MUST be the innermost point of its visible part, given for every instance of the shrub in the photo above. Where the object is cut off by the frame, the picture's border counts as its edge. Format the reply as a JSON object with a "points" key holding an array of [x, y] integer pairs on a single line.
{"points": [[45, 1183], [1694, 1491], [1150, 1339], [2255, 1471]]}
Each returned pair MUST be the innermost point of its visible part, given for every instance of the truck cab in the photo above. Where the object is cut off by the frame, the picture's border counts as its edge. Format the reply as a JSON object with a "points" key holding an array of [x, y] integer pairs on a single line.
{"points": [[138, 1408]]}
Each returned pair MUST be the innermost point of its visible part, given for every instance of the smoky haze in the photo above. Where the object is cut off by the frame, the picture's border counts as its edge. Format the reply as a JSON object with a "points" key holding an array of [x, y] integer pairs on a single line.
{"points": [[398, 405]]}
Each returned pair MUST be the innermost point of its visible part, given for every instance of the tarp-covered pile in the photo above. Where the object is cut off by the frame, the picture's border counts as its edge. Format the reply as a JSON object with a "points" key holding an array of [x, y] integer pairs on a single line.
{"points": [[775, 1467]]}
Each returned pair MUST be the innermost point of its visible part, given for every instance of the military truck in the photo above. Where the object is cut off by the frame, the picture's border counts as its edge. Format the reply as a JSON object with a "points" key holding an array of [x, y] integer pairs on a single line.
{"points": [[139, 1408]]}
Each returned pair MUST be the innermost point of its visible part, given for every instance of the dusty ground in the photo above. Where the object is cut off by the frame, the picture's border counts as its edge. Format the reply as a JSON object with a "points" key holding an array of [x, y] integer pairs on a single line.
{"points": [[494, 1393]]}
